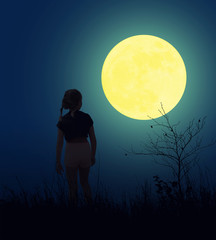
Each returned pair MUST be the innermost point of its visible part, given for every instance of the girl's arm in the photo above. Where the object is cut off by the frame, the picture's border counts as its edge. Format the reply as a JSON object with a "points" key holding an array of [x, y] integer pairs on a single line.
{"points": [[93, 141]]}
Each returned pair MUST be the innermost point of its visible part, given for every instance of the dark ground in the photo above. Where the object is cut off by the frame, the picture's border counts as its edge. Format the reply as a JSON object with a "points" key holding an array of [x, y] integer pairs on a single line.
{"points": [[96, 222]]}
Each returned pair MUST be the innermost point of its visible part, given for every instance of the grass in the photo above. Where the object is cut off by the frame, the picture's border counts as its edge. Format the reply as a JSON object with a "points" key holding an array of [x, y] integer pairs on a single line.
{"points": [[46, 211]]}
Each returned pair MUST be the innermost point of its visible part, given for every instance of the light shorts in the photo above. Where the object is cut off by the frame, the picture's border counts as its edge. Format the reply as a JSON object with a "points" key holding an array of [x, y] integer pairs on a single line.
{"points": [[77, 154]]}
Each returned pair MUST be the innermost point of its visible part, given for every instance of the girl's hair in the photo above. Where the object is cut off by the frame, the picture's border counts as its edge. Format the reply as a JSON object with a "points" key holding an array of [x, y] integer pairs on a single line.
{"points": [[71, 99]]}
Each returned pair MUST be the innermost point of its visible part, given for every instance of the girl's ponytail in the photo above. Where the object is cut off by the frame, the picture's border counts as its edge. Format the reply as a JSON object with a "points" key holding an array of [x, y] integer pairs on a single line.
{"points": [[60, 118]]}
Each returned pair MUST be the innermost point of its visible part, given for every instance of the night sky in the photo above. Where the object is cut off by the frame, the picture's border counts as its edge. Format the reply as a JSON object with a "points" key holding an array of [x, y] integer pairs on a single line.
{"points": [[48, 47]]}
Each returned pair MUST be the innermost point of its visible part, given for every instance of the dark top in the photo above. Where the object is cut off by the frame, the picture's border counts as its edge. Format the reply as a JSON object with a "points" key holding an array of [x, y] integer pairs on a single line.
{"points": [[75, 127]]}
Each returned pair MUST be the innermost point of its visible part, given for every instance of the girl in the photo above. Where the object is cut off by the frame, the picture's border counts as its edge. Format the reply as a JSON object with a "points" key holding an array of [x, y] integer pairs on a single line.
{"points": [[75, 127]]}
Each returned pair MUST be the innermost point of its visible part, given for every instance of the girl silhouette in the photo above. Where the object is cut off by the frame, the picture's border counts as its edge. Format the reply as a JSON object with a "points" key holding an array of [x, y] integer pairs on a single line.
{"points": [[75, 126]]}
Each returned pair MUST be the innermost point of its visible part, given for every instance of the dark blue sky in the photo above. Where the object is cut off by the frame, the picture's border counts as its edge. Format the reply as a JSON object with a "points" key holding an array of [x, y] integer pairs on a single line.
{"points": [[48, 47]]}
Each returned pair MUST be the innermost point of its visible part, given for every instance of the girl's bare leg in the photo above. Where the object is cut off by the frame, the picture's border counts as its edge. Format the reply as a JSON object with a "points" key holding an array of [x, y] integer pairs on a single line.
{"points": [[71, 174], [83, 174]]}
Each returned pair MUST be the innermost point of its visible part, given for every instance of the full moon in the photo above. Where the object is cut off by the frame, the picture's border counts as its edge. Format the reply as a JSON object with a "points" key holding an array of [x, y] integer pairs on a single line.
{"points": [[140, 73]]}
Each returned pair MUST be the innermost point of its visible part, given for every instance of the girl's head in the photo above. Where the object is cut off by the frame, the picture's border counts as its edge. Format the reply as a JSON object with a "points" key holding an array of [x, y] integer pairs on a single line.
{"points": [[72, 100]]}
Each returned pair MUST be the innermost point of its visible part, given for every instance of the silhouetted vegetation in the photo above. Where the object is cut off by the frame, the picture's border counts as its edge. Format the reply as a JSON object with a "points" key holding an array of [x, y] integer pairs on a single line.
{"points": [[177, 149], [152, 214]]}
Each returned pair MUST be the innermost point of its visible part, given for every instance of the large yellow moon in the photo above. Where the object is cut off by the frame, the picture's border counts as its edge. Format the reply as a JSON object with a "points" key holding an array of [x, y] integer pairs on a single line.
{"points": [[140, 73]]}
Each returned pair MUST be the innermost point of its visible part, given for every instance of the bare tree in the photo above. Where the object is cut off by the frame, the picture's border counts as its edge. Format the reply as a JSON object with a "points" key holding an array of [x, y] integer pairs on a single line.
{"points": [[178, 149]]}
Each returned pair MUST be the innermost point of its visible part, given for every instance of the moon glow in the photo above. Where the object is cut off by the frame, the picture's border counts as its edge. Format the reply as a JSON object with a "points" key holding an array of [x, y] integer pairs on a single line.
{"points": [[140, 73]]}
